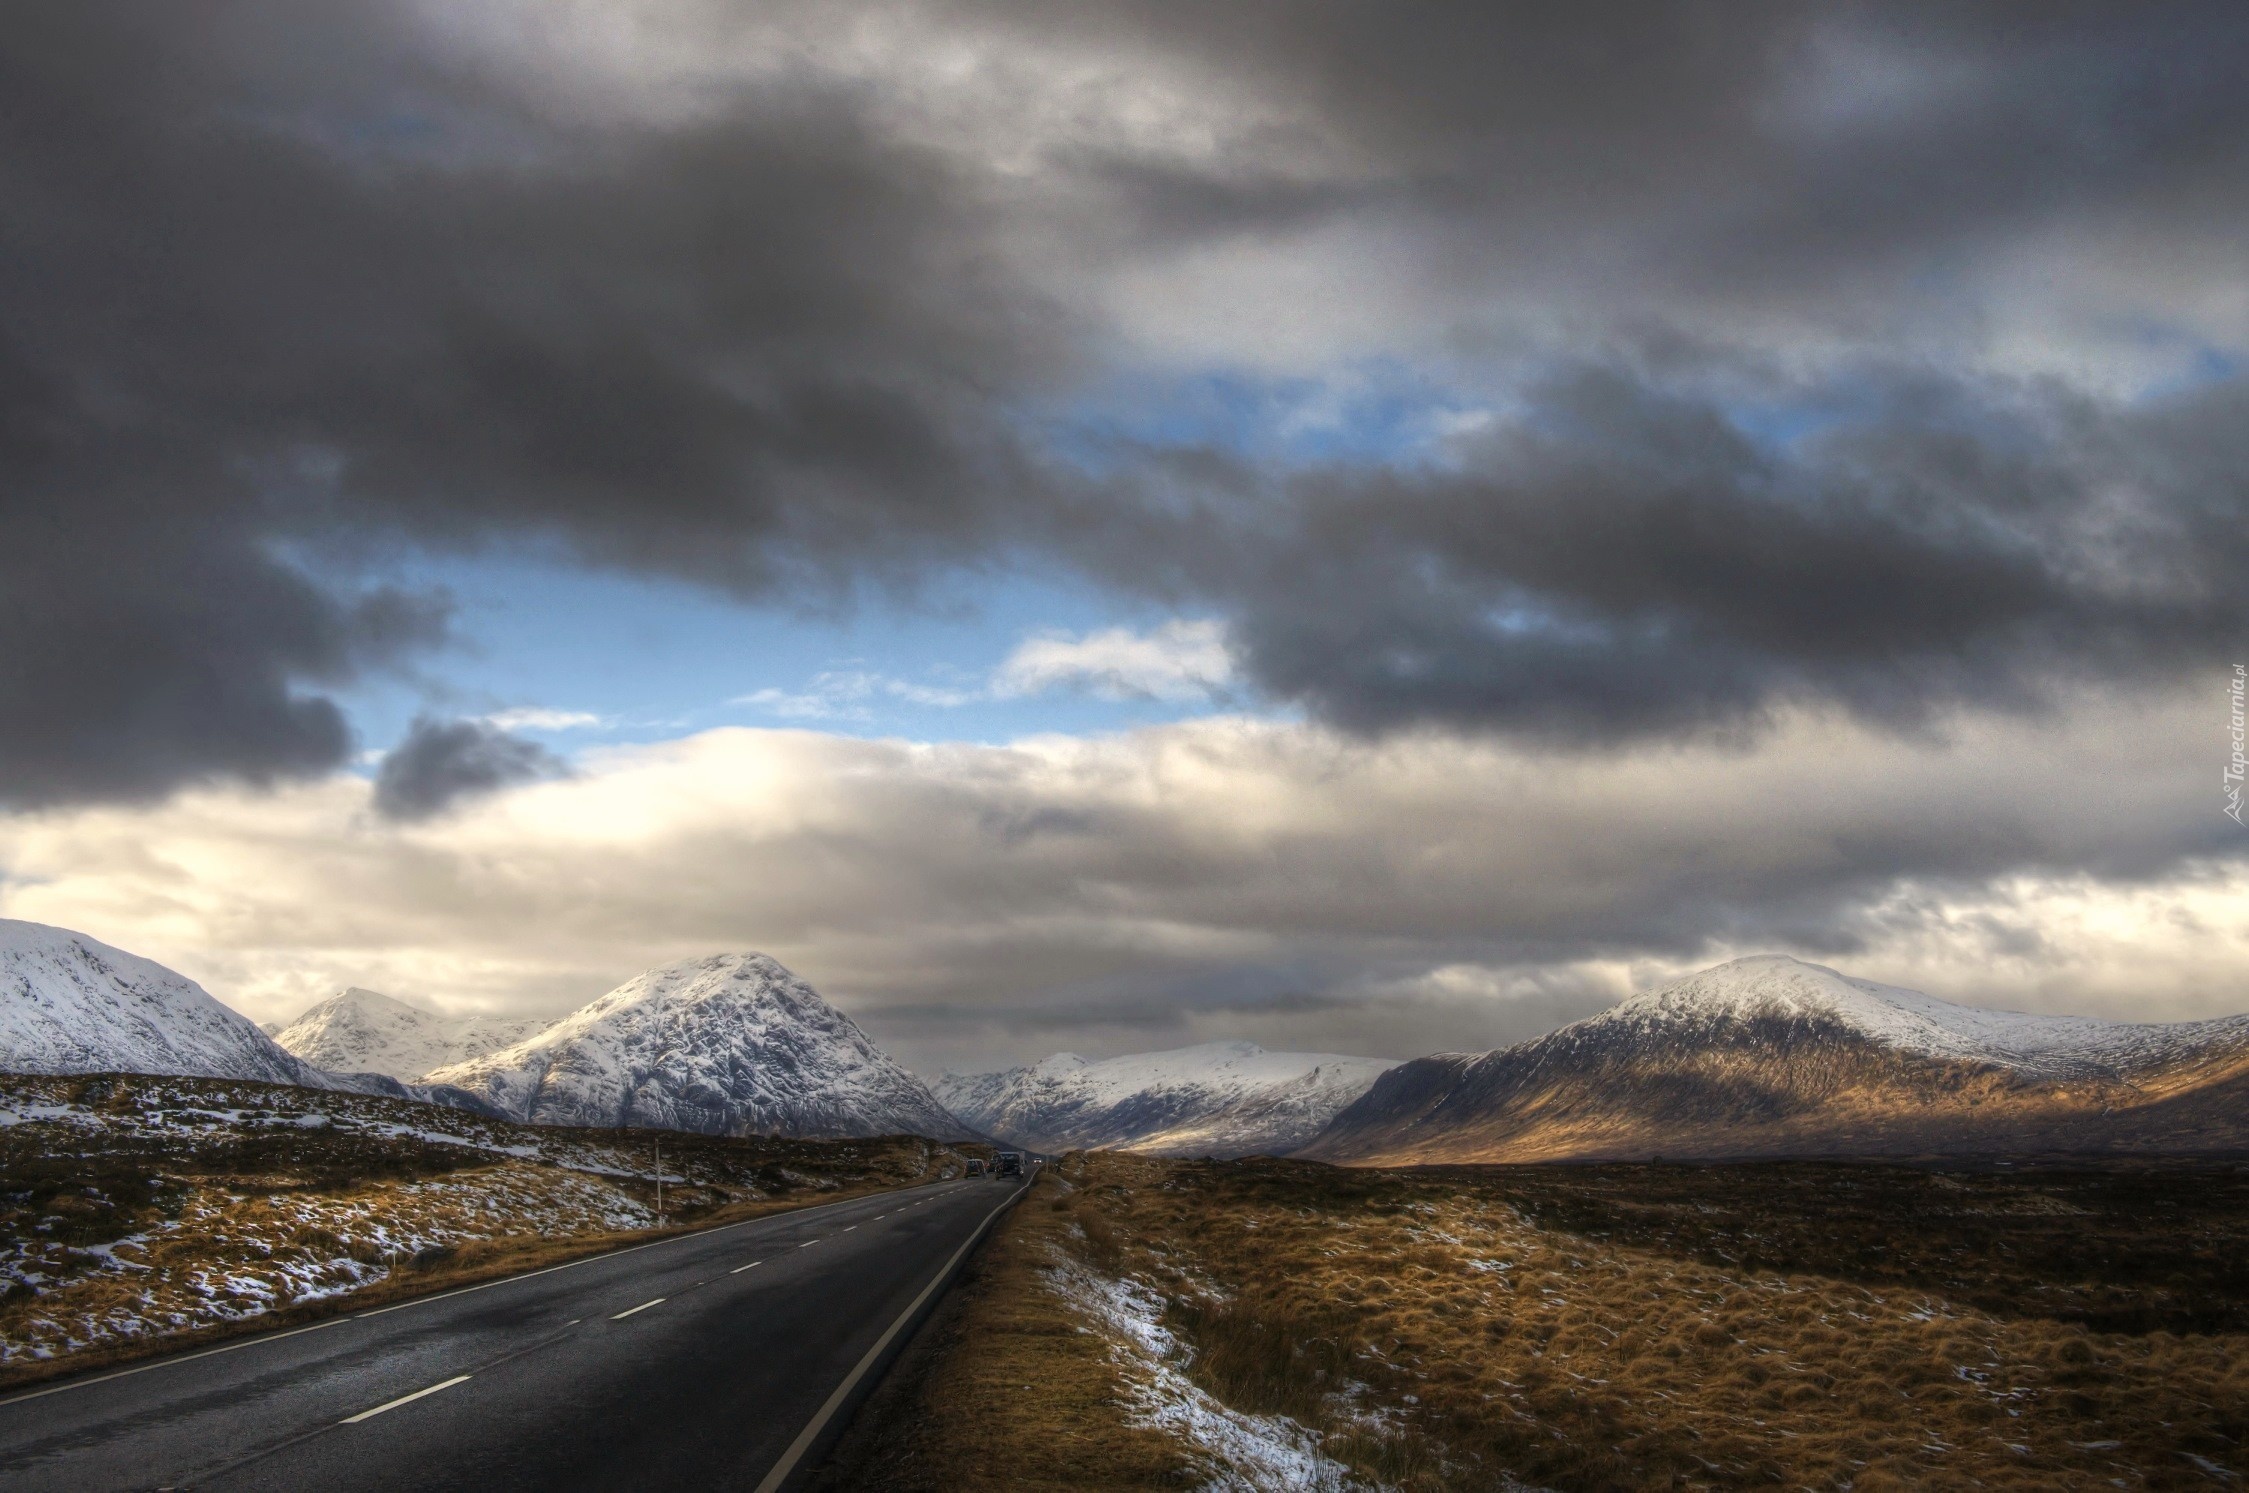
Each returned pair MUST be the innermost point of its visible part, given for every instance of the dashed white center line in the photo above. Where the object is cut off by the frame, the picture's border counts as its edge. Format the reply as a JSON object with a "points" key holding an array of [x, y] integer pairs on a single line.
{"points": [[644, 1306], [807, 1244], [737, 1270], [849, 1227], [353, 1420]]}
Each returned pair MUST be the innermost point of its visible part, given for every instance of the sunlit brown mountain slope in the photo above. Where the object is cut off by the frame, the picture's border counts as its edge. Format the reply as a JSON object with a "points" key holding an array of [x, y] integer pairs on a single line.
{"points": [[1770, 1056]]}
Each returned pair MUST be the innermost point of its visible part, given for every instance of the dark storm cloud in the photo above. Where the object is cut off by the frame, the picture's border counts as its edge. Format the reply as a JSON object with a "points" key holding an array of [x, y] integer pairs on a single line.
{"points": [[273, 282], [278, 283], [1626, 551], [147, 634], [1774, 152], [442, 762], [1627, 558]]}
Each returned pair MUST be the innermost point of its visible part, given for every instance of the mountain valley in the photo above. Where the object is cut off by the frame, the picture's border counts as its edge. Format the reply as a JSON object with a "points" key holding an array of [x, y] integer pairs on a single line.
{"points": [[1219, 1099]]}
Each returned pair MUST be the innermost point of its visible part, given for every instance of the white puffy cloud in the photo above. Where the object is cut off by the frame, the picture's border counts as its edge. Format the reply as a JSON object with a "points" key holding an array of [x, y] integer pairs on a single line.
{"points": [[539, 718], [1184, 659]]}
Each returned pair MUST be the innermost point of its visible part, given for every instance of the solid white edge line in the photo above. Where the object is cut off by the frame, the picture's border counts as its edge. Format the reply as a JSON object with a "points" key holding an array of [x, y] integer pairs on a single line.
{"points": [[353, 1420], [811, 1433], [259, 1340], [644, 1306]]}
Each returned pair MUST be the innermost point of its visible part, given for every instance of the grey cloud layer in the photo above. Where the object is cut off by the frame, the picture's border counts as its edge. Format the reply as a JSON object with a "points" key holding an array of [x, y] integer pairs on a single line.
{"points": [[280, 285], [1626, 560], [1217, 878]]}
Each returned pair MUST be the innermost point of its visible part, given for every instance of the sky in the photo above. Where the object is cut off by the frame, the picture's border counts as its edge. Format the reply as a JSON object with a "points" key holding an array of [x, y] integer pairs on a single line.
{"points": [[1375, 529]]}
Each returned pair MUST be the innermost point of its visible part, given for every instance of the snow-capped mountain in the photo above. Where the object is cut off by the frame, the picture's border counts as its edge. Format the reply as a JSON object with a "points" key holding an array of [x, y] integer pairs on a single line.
{"points": [[1773, 1056], [1219, 1099], [365, 1031], [732, 1044], [71, 1004], [1771, 988]]}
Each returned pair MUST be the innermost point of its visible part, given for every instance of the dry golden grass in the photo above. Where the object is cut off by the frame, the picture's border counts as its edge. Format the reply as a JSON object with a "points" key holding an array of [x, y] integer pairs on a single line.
{"points": [[1474, 1327], [1006, 1389]]}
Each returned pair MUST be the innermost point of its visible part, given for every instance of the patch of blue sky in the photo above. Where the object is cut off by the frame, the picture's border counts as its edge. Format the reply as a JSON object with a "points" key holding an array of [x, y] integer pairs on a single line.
{"points": [[577, 657], [2190, 361], [1783, 424], [1375, 413], [1779, 425]]}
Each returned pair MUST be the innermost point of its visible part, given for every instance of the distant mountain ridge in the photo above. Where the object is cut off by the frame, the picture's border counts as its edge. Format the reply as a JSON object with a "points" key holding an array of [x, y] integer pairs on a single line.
{"points": [[1772, 1056], [732, 1044], [1218, 1099], [364, 1031]]}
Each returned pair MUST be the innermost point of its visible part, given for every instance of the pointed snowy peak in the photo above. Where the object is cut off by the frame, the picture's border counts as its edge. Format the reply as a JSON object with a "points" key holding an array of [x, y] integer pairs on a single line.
{"points": [[364, 1031], [1220, 1098], [71, 1004], [732, 1044]]}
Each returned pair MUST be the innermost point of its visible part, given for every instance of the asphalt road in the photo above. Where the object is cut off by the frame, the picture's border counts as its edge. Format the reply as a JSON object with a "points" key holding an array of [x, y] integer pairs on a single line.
{"points": [[700, 1361]]}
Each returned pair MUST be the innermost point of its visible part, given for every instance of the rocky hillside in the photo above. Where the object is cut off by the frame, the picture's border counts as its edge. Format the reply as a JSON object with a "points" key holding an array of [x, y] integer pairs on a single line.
{"points": [[1219, 1099], [732, 1044], [1770, 1056], [365, 1031]]}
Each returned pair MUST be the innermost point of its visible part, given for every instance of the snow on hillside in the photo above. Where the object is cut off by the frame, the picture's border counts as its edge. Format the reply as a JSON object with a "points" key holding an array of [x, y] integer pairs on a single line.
{"points": [[732, 1044], [1777, 986], [1772, 1056], [71, 1004], [1219, 1099], [364, 1031]]}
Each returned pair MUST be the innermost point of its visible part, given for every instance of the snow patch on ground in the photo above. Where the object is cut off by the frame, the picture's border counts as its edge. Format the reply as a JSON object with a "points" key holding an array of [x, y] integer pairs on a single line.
{"points": [[227, 1258], [1247, 1453]]}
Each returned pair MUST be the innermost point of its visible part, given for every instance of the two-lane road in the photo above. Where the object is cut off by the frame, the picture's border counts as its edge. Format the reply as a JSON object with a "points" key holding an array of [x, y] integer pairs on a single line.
{"points": [[714, 1359]]}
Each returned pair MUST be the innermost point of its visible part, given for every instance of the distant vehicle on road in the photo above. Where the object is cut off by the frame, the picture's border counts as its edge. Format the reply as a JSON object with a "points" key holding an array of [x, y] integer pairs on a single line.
{"points": [[1008, 1164], [976, 1166]]}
